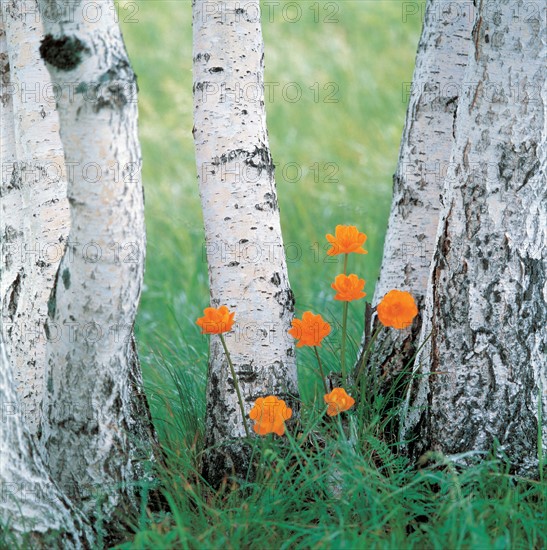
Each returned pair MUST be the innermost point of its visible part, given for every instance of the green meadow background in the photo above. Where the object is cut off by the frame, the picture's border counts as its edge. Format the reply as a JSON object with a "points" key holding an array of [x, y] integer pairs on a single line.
{"points": [[335, 150]]}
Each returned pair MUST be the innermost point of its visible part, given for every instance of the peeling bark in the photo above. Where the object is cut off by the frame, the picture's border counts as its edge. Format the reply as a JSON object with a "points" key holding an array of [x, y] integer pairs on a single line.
{"points": [[424, 156], [38, 220], [247, 265], [482, 374], [96, 427]]}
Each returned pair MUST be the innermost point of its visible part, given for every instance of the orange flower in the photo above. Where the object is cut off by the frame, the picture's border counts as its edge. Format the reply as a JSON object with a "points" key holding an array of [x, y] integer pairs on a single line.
{"points": [[347, 239], [310, 330], [397, 309], [348, 287], [338, 401], [270, 414], [216, 320]]}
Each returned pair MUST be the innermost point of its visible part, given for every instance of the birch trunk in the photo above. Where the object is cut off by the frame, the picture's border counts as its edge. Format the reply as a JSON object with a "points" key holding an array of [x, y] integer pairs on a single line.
{"points": [[11, 222], [483, 374], [247, 265], [33, 511], [96, 427], [423, 160], [37, 177]]}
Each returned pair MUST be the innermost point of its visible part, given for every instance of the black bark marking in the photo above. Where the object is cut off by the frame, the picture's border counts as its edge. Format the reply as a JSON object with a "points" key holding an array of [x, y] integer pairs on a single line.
{"points": [[14, 295], [409, 198], [271, 201], [66, 278], [64, 53], [276, 280], [200, 56], [52, 301], [246, 374], [259, 158], [200, 86], [285, 298], [453, 104]]}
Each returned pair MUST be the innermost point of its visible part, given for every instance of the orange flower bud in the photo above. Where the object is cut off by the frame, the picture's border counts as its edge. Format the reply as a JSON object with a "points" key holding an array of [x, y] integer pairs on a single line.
{"points": [[348, 287], [269, 414], [310, 330], [346, 240], [338, 401], [397, 309], [216, 321]]}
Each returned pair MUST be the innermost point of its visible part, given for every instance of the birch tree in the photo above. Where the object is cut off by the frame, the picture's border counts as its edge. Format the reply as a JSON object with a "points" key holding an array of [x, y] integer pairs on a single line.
{"points": [[32, 508], [482, 375], [247, 265], [35, 216], [96, 426], [424, 156], [94, 432]]}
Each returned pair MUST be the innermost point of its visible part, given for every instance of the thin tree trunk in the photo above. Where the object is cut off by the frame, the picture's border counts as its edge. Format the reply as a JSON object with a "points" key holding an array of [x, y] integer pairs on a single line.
{"points": [[39, 178], [33, 511], [424, 156], [482, 374], [96, 430], [247, 266]]}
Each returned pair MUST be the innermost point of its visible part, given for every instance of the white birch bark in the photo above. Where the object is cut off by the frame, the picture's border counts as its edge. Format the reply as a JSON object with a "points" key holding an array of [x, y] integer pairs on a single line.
{"points": [[483, 372], [43, 208], [96, 427], [11, 223], [33, 511], [424, 156], [247, 265]]}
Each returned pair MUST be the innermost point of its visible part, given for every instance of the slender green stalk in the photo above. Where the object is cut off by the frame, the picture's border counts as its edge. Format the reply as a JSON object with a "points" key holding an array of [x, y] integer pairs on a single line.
{"points": [[367, 353], [236, 384], [343, 350], [344, 331], [321, 369]]}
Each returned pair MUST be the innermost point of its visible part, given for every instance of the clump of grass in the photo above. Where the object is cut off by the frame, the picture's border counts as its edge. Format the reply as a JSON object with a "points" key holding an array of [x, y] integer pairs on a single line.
{"points": [[314, 489]]}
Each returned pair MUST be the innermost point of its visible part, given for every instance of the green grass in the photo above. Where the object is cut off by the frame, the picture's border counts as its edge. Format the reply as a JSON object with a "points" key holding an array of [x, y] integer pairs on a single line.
{"points": [[315, 489], [385, 503]]}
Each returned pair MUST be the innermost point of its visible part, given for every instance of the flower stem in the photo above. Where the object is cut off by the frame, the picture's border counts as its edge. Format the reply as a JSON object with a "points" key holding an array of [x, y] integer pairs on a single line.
{"points": [[344, 327], [367, 353], [321, 369], [236, 384], [343, 351]]}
